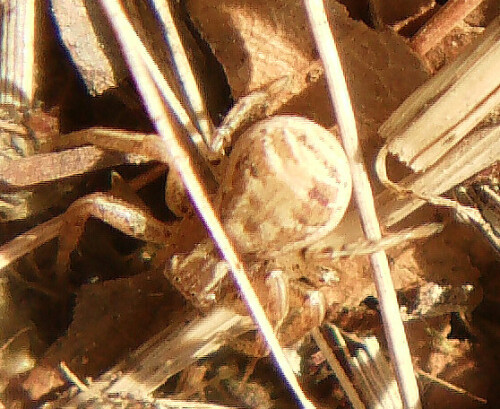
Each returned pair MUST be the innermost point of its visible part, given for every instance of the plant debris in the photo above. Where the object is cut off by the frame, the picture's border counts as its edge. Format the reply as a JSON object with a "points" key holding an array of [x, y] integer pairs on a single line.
{"points": [[106, 328]]}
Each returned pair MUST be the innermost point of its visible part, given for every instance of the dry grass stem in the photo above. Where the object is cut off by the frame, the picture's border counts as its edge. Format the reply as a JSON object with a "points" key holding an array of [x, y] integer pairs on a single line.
{"points": [[456, 100], [179, 404], [371, 371], [72, 377], [393, 325], [162, 87], [183, 70], [140, 373], [383, 377], [450, 386], [17, 52], [340, 374], [478, 151], [146, 83]]}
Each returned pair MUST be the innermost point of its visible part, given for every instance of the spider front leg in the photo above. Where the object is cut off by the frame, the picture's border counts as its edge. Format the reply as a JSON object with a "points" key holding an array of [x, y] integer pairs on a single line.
{"points": [[126, 217], [133, 220]]}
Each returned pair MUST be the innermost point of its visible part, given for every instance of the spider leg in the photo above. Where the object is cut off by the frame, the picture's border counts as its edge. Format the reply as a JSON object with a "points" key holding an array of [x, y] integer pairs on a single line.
{"points": [[128, 218]]}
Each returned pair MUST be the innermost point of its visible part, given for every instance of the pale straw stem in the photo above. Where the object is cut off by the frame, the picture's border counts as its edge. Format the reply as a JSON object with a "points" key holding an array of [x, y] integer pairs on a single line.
{"points": [[17, 52], [181, 162], [183, 70], [393, 325]]}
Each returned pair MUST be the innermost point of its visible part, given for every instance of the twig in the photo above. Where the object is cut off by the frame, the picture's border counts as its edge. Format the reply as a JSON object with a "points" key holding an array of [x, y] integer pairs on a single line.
{"points": [[441, 24], [47, 167], [393, 326], [181, 161]]}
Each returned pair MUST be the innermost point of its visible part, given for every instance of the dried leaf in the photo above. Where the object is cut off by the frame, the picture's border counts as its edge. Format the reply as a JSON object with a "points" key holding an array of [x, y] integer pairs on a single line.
{"points": [[258, 42], [109, 318]]}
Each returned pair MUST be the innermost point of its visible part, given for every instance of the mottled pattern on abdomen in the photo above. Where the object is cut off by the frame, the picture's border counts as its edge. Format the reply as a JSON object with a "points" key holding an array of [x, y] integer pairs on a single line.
{"points": [[287, 185]]}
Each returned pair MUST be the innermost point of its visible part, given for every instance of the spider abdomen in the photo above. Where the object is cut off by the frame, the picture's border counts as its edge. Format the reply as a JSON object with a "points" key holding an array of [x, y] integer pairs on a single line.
{"points": [[287, 184]]}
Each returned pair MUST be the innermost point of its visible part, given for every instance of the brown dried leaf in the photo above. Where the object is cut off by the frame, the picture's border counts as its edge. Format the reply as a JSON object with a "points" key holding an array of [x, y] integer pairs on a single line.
{"points": [[110, 317], [258, 42]]}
